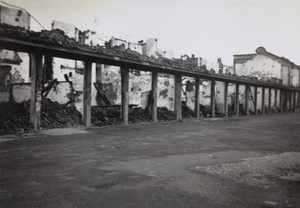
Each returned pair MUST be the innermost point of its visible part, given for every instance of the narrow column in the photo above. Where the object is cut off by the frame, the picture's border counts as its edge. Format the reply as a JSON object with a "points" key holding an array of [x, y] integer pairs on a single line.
{"points": [[263, 100], [290, 92], [237, 102], [87, 89], [281, 101], [294, 104], [213, 98], [299, 102], [270, 100], [255, 100], [125, 93], [285, 100], [197, 89], [226, 99], [275, 102], [178, 89], [36, 90], [154, 97], [247, 99]]}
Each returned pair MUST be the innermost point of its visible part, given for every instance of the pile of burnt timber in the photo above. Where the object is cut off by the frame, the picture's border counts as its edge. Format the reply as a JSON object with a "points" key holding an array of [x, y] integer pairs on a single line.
{"points": [[16, 116]]}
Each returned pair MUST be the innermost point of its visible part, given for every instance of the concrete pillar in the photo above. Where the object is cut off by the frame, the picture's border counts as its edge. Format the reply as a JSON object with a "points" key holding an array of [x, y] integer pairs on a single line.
{"points": [[263, 100], [125, 93], [178, 90], [197, 104], [213, 98], [36, 90], [87, 89], [154, 97], [255, 100], [226, 99], [275, 102], [270, 100], [237, 102], [247, 99]]}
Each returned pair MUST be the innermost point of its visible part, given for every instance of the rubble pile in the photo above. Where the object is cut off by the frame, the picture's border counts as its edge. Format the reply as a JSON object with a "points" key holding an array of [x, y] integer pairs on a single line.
{"points": [[55, 115], [16, 116]]}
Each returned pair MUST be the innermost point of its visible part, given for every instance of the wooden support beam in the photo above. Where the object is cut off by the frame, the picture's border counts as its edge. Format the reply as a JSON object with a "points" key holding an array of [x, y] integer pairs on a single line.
{"points": [[247, 99], [237, 102], [294, 101], [275, 102], [125, 93], [197, 104], [226, 99], [290, 92], [281, 100], [87, 89], [285, 100], [263, 100], [213, 98], [255, 100], [36, 65], [154, 97], [270, 100], [299, 100], [178, 90]]}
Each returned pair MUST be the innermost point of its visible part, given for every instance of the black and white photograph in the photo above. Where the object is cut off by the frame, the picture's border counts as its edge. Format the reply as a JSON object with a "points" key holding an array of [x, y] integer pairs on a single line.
{"points": [[149, 104]]}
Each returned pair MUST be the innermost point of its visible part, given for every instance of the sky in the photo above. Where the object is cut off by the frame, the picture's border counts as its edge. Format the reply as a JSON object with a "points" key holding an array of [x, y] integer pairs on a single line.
{"points": [[208, 29]]}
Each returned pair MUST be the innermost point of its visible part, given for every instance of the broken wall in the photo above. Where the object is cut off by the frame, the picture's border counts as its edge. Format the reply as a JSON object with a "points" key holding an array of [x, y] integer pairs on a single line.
{"points": [[15, 17]]}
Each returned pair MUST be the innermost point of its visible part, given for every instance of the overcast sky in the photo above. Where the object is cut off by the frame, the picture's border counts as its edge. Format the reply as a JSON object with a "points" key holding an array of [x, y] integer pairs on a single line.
{"points": [[208, 29]]}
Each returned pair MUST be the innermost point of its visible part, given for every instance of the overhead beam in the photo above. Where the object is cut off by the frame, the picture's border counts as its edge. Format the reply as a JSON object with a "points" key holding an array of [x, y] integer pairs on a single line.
{"points": [[36, 65], [87, 89]]}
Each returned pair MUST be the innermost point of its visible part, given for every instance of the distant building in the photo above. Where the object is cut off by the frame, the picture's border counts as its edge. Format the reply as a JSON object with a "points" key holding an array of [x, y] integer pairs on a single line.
{"points": [[267, 66]]}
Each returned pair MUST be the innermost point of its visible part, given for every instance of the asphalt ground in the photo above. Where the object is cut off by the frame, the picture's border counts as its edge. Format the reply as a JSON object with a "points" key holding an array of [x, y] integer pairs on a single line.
{"points": [[250, 161]]}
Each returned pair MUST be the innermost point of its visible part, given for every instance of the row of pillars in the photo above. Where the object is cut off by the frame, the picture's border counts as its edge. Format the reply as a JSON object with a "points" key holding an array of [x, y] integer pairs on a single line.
{"points": [[36, 87]]}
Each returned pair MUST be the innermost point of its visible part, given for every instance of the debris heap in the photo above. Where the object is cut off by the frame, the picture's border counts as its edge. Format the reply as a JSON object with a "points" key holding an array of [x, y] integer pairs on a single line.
{"points": [[15, 117]]}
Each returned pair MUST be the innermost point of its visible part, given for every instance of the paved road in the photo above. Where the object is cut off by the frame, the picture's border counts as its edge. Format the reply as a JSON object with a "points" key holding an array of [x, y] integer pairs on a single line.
{"points": [[240, 162]]}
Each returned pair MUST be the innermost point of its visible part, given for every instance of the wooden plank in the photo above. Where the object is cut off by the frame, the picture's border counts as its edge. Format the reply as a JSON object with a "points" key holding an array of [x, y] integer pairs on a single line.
{"points": [[125, 93], [270, 100], [36, 90], [87, 89], [275, 100], [247, 99], [237, 102], [263, 100], [213, 98], [197, 104], [154, 97], [178, 90], [226, 99], [255, 98]]}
